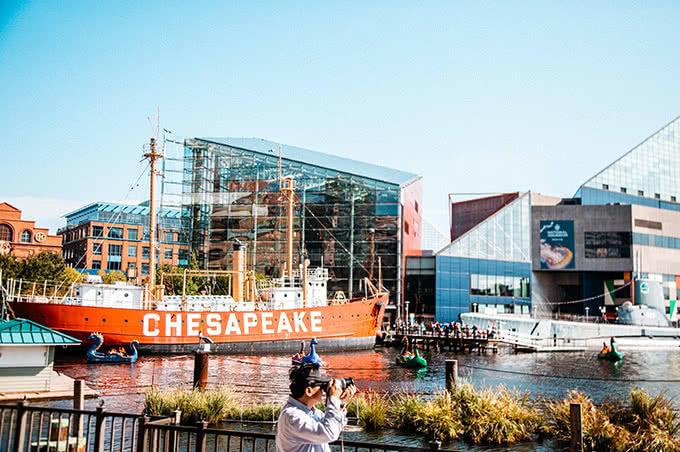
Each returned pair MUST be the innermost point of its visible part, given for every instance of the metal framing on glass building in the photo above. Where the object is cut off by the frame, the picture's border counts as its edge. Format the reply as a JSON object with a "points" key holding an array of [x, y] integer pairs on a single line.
{"points": [[349, 215]]}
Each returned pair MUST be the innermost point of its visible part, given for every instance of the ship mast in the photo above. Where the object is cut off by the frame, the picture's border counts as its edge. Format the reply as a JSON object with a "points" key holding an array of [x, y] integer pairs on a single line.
{"points": [[287, 187], [153, 154]]}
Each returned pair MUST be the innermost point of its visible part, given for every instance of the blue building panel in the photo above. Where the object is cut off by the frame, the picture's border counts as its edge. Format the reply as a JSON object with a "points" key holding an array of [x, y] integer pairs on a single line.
{"points": [[453, 293]]}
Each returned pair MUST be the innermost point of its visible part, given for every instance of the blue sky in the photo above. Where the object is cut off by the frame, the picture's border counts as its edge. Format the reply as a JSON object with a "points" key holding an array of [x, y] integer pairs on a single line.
{"points": [[474, 96]]}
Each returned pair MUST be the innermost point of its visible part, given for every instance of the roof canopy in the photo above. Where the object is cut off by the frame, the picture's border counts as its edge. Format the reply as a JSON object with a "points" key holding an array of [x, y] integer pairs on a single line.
{"points": [[27, 332], [316, 158]]}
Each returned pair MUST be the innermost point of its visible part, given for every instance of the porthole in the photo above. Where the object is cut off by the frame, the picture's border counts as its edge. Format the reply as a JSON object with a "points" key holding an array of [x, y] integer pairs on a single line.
{"points": [[86, 319], [125, 320], [103, 320]]}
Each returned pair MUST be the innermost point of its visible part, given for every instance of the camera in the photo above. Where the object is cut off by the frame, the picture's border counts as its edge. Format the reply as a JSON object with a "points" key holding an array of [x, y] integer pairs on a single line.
{"points": [[343, 382]]}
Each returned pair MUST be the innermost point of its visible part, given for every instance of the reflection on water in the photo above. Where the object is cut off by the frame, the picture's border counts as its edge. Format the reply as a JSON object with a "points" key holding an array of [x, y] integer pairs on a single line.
{"points": [[265, 378]]}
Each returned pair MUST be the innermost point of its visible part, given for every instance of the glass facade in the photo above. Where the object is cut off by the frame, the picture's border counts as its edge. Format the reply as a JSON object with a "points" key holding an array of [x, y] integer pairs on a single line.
{"points": [[488, 267], [345, 221], [649, 174], [505, 235]]}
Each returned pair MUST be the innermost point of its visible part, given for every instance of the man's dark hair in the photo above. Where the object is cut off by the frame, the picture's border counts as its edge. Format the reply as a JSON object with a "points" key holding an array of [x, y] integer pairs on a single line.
{"points": [[303, 376]]}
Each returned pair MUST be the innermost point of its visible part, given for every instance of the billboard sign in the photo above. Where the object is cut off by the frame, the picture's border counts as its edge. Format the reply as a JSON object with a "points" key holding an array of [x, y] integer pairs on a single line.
{"points": [[557, 244]]}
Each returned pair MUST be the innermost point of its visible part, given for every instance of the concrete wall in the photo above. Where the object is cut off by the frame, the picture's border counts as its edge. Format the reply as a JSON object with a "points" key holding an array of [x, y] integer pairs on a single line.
{"points": [[545, 328], [585, 218]]}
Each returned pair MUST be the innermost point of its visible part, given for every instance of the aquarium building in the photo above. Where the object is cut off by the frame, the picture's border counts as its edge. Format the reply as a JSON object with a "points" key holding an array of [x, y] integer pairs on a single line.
{"points": [[349, 216]]}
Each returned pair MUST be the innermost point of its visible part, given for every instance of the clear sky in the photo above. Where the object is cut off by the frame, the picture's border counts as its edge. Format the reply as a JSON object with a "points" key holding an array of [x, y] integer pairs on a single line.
{"points": [[474, 96]]}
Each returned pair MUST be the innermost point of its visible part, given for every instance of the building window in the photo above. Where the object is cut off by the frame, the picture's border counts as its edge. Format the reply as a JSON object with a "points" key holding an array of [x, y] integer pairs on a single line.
{"points": [[623, 190], [607, 244], [97, 249], [26, 236], [145, 269], [641, 193], [167, 253], [132, 251], [168, 236], [96, 265], [416, 202], [500, 286], [5, 233], [406, 228], [113, 265], [97, 231], [115, 233], [145, 252], [605, 186], [657, 195], [132, 265], [132, 234], [115, 250], [673, 199]]}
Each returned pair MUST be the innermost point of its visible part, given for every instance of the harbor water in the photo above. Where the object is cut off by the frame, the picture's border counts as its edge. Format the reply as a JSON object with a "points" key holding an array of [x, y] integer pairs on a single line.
{"points": [[265, 378]]}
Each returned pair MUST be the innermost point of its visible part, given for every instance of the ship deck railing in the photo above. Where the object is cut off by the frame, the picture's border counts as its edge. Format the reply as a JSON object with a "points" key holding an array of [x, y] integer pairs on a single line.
{"points": [[27, 428]]}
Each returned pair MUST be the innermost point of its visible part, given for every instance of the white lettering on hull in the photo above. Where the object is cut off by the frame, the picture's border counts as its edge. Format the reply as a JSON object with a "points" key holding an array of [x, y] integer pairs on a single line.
{"points": [[227, 324]]}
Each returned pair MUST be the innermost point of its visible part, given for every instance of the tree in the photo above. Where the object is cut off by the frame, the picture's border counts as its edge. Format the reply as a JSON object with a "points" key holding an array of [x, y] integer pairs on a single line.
{"points": [[71, 275], [46, 266], [11, 266], [112, 276]]}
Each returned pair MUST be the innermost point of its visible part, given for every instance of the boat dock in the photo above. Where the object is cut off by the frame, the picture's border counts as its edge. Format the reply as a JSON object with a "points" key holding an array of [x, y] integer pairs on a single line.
{"points": [[432, 341], [469, 343]]}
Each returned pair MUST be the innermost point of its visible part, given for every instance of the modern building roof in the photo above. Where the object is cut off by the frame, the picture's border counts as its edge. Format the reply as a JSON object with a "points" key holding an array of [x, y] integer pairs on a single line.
{"points": [[649, 170], [27, 332], [316, 158], [88, 212]]}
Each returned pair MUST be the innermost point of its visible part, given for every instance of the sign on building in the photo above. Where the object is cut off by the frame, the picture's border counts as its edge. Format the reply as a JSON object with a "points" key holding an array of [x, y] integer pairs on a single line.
{"points": [[557, 244]]}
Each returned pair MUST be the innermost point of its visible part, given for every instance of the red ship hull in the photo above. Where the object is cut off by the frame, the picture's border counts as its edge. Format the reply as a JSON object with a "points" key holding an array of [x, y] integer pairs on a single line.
{"points": [[349, 326]]}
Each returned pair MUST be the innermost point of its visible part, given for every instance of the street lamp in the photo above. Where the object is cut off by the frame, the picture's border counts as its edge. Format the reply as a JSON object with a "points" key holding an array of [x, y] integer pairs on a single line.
{"points": [[587, 309]]}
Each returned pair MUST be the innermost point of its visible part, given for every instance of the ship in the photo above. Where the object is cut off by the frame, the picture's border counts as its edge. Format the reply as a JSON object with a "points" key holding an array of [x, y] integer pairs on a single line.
{"points": [[259, 316]]}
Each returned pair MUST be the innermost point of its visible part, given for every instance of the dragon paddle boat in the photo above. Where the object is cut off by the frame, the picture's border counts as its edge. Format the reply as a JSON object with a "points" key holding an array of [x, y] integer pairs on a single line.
{"points": [[113, 355], [610, 353], [412, 361], [300, 358]]}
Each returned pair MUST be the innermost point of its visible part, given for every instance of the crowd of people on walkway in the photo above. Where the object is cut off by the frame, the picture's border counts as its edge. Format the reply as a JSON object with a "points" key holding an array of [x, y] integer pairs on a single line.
{"points": [[446, 329]]}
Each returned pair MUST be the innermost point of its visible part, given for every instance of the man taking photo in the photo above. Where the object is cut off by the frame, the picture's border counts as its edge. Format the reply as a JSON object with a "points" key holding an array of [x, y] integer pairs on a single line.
{"points": [[301, 426]]}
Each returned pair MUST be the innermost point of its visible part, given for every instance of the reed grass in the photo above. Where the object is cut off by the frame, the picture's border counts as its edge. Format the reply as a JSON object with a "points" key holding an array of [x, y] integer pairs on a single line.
{"points": [[371, 410], [488, 416]]}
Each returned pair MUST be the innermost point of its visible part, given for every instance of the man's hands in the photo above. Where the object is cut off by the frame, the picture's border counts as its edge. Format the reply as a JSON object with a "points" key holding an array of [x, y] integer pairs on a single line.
{"points": [[335, 390]]}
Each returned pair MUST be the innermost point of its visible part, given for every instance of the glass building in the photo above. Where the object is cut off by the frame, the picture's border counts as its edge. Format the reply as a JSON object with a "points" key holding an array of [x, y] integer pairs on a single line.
{"points": [[648, 174], [349, 215], [488, 268]]}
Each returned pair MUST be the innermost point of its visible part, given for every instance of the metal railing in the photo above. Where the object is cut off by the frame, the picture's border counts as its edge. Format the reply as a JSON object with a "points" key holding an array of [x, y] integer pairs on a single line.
{"points": [[25, 428], [166, 436]]}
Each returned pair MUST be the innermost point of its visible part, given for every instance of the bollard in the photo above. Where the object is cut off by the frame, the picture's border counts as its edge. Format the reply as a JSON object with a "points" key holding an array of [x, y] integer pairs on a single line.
{"points": [[201, 370], [576, 428], [78, 404], [451, 373]]}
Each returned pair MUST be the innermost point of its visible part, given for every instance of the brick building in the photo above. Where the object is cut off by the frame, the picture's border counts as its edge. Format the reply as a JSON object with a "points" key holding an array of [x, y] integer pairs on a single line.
{"points": [[21, 238], [107, 236]]}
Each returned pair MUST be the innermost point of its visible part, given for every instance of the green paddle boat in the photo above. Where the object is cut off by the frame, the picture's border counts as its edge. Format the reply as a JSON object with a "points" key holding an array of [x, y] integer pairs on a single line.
{"points": [[610, 353], [412, 361]]}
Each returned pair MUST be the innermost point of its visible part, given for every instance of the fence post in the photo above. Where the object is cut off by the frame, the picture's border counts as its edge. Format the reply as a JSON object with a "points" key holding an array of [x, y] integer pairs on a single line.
{"points": [[142, 434], [451, 373], [20, 432], [78, 404], [200, 437], [174, 435], [576, 428], [99, 425]]}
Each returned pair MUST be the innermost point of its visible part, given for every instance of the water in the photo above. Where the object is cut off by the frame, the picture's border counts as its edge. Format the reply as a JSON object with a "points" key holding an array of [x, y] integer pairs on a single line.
{"points": [[265, 378]]}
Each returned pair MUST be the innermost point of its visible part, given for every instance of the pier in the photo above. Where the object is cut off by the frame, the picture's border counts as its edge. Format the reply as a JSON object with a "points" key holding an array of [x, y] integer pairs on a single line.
{"points": [[428, 340]]}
